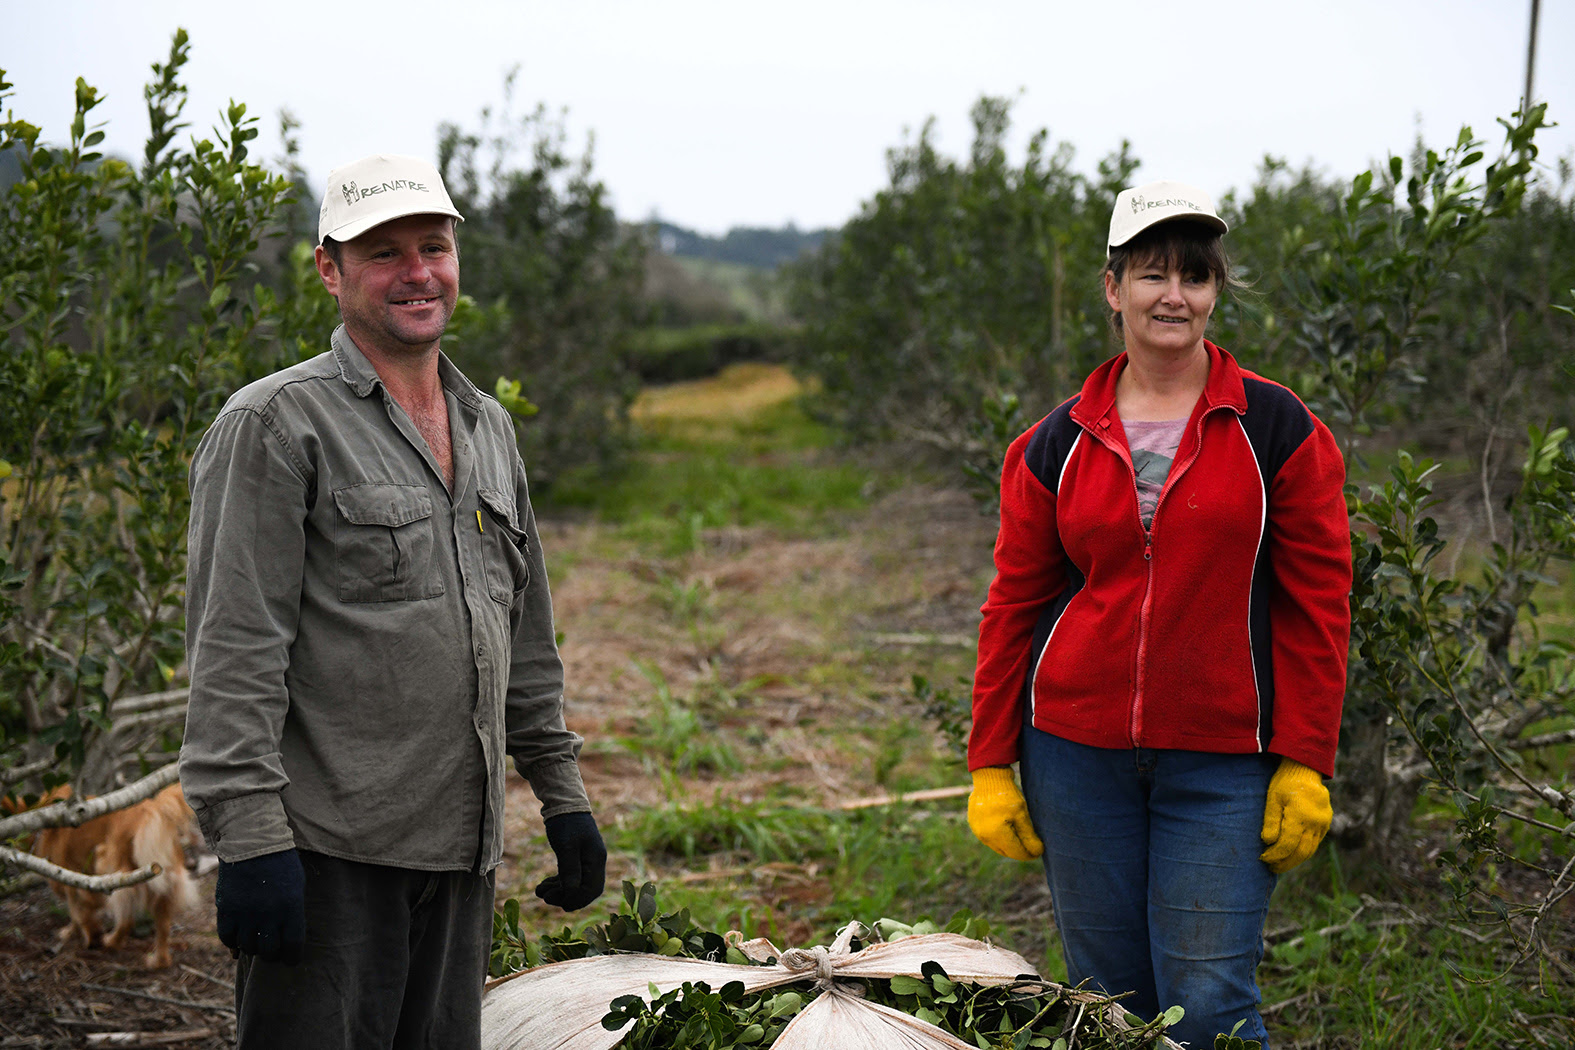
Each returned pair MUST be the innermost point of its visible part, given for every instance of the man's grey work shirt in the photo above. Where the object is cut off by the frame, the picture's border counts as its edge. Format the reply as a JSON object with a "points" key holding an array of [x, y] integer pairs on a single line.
{"points": [[364, 646]]}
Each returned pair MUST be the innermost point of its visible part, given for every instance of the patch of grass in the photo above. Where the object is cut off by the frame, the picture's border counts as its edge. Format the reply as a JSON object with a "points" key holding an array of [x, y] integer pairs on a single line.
{"points": [[1394, 970], [762, 833], [674, 739], [906, 862], [716, 456]]}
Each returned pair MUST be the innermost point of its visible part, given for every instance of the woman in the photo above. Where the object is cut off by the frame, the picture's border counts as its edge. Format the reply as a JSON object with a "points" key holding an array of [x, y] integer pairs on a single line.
{"points": [[1163, 646]]}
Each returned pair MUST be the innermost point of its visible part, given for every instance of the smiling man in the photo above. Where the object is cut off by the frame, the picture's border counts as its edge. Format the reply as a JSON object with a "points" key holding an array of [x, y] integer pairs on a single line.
{"points": [[369, 634]]}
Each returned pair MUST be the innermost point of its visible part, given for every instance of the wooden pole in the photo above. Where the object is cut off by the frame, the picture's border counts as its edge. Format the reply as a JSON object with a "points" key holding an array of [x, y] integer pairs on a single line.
{"points": [[1531, 58]]}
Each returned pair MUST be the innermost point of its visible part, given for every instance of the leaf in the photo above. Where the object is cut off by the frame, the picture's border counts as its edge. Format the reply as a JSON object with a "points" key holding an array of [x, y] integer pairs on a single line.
{"points": [[786, 1003], [646, 907]]}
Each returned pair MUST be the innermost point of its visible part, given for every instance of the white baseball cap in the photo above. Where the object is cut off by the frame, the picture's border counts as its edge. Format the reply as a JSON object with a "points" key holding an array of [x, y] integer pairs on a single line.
{"points": [[1143, 206], [378, 188]]}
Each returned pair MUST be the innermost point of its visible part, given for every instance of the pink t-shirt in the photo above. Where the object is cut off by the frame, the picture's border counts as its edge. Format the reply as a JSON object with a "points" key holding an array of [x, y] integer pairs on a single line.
{"points": [[1153, 446]]}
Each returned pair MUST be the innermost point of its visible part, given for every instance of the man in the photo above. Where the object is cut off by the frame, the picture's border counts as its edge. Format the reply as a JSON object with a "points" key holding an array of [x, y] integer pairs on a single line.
{"points": [[369, 632]]}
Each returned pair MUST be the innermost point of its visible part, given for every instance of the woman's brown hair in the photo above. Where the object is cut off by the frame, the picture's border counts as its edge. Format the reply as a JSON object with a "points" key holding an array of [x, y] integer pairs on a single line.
{"points": [[1191, 247]]}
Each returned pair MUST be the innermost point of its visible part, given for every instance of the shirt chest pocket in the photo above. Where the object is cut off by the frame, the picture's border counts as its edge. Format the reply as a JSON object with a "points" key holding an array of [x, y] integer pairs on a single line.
{"points": [[503, 547], [383, 546]]}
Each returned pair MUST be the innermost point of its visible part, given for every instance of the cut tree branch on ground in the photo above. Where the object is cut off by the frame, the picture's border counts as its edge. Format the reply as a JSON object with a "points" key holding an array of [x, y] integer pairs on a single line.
{"points": [[208, 977], [94, 883], [74, 812], [220, 1008], [148, 1038], [926, 795], [961, 641]]}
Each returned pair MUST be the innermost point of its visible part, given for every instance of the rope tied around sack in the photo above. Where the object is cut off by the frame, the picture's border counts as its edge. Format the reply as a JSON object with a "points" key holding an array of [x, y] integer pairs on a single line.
{"points": [[822, 960], [817, 958]]}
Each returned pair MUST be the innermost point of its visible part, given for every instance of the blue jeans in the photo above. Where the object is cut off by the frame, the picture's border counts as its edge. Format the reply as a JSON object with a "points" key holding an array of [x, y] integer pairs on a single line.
{"points": [[1152, 858]]}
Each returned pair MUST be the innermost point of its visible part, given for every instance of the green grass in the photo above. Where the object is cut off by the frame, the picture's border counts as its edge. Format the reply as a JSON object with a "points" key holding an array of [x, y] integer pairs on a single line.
{"points": [[771, 469], [807, 871], [1369, 963]]}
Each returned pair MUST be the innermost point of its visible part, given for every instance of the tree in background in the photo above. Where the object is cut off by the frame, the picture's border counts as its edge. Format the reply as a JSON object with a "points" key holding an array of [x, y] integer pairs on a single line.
{"points": [[128, 311], [961, 284], [544, 250]]}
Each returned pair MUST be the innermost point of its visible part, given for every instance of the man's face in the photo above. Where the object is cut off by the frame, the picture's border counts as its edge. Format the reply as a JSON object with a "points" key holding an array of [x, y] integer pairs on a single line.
{"points": [[397, 284]]}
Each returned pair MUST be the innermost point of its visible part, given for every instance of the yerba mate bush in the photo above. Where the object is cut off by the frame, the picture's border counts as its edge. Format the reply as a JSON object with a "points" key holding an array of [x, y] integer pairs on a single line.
{"points": [[128, 309]]}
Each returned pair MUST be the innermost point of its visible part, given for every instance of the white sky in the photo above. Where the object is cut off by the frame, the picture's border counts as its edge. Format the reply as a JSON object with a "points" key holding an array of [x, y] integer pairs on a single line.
{"points": [[738, 113]]}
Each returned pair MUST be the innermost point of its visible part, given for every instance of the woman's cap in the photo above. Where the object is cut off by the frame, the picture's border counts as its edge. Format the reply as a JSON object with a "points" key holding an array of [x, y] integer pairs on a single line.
{"points": [[1143, 206], [375, 189]]}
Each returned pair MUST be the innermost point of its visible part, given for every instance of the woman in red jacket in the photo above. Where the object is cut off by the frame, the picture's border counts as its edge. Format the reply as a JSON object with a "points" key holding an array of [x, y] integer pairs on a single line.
{"points": [[1163, 646]]}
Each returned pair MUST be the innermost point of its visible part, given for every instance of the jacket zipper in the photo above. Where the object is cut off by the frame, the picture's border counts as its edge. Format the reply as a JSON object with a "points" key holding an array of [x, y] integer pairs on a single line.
{"points": [[1135, 725]]}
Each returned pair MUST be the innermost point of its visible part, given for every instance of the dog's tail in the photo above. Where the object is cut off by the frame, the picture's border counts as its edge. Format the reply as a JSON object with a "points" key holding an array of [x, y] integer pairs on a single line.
{"points": [[159, 839]]}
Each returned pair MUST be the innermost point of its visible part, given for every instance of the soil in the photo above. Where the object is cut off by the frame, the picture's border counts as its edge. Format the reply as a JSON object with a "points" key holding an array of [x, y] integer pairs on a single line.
{"points": [[788, 641], [55, 998]]}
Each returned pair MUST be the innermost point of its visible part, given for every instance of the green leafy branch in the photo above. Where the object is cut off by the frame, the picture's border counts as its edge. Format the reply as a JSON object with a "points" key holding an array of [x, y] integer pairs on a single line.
{"points": [[1465, 674]]}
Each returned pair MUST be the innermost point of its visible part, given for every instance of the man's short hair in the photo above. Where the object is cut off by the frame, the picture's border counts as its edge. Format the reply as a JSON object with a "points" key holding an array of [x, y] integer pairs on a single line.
{"points": [[336, 252]]}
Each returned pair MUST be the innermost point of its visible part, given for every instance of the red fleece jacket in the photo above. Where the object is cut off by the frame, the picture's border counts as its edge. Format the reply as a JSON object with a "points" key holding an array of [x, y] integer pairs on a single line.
{"points": [[1224, 628]]}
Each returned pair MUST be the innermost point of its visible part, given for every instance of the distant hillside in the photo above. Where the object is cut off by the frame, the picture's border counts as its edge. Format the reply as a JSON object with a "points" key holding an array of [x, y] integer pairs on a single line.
{"points": [[749, 245]]}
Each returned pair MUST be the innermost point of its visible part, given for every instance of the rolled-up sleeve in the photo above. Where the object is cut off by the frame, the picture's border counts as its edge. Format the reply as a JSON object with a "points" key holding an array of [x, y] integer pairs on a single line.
{"points": [[246, 546], [544, 750]]}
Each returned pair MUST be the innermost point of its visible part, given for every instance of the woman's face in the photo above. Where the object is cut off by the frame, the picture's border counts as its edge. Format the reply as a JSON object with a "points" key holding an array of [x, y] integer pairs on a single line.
{"points": [[1162, 310]]}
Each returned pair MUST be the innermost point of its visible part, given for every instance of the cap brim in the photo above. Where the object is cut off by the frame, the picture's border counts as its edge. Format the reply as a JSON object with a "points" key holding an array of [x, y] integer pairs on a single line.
{"points": [[351, 230], [1213, 222]]}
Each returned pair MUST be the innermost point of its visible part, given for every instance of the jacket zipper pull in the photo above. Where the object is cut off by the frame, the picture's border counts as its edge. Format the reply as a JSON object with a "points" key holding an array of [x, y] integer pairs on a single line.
{"points": [[1148, 546]]}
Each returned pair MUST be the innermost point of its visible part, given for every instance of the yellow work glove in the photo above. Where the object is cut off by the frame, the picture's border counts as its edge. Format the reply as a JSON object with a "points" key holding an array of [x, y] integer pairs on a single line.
{"points": [[998, 815], [1295, 817]]}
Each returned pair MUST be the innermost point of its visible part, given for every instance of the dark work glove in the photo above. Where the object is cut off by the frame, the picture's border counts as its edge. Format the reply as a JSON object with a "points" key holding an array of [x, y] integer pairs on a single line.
{"points": [[582, 862], [262, 906]]}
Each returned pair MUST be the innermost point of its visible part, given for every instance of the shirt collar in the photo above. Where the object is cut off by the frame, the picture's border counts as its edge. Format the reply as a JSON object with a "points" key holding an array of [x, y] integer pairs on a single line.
{"points": [[361, 377]]}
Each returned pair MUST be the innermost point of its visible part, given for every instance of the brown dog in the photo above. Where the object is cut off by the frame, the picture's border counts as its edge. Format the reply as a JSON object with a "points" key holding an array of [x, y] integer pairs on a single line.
{"points": [[150, 832]]}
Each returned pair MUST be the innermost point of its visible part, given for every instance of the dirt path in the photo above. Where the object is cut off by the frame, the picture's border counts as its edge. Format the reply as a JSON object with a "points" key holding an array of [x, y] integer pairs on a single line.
{"points": [[794, 653]]}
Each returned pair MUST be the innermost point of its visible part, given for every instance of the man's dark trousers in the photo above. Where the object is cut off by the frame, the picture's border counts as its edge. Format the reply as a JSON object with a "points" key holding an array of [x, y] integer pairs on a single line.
{"points": [[394, 958]]}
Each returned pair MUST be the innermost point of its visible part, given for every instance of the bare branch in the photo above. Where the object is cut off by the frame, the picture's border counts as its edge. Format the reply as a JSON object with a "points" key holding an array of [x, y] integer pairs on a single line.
{"points": [[148, 1038], [961, 641], [74, 812], [223, 1008], [1563, 736], [160, 716], [17, 774], [96, 883], [130, 704]]}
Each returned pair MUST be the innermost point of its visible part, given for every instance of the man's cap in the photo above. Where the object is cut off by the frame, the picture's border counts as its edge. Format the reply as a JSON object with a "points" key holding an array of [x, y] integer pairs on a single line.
{"points": [[378, 188], [1143, 206]]}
